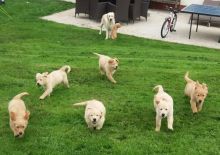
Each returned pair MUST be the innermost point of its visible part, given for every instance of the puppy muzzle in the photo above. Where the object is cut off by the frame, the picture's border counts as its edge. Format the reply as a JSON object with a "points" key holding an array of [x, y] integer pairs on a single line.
{"points": [[38, 84]]}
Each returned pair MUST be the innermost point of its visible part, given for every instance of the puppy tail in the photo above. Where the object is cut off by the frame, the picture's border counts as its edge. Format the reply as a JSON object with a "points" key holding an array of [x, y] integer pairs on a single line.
{"points": [[20, 95], [66, 68], [158, 88], [80, 104], [97, 54], [186, 77]]}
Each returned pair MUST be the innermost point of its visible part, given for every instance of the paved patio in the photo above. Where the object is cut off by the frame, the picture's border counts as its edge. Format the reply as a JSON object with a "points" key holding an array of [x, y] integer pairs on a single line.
{"points": [[206, 36]]}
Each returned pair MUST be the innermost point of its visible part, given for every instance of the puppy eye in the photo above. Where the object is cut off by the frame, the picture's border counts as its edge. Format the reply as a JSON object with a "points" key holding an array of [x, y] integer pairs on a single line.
{"points": [[161, 109], [166, 109]]}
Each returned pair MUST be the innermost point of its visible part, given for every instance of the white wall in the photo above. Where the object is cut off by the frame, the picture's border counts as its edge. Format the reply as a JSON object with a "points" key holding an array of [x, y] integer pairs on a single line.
{"points": [[188, 2]]}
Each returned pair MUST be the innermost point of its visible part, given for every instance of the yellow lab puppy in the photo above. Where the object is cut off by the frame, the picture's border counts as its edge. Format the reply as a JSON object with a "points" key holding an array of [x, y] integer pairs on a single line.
{"points": [[108, 66], [49, 81], [94, 113], [197, 93], [19, 115]]}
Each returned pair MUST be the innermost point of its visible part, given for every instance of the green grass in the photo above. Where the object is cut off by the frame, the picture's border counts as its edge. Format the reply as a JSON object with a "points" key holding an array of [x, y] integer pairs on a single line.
{"points": [[29, 45]]}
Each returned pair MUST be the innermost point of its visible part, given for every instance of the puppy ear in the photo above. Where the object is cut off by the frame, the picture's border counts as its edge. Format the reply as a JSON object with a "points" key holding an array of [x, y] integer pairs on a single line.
{"points": [[38, 75], [197, 83], [45, 74], [157, 101], [13, 116], [26, 116], [116, 60], [111, 61], [101, 115], [204, 86], [118, 25]]}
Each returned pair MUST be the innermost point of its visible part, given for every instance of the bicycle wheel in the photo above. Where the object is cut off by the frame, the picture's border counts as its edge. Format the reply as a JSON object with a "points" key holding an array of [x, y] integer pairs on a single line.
{"points": [[165, 28], [173, 24]]}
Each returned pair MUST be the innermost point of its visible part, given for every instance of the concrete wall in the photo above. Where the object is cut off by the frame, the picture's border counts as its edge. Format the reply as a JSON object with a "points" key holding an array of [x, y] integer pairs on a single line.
{"points": [[188, 2]]}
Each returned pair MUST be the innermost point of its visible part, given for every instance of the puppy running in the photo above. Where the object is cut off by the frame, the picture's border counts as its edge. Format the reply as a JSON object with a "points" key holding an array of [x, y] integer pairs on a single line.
{"points": [[114, 30], [108, 20], [94, 113], [163, 104], [19, 115], [49, 81], [108, 66], [197, 93]]}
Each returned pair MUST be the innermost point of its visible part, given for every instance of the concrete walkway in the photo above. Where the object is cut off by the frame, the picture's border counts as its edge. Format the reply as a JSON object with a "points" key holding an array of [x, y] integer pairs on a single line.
{"points": [[206, 36]]}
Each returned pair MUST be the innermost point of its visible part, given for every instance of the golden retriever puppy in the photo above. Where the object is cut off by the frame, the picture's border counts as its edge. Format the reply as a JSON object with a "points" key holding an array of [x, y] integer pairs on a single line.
{"points": [[108, 66], [49, 81], [19, 115], [163, 104], [94, 113], [114, 30], [197, 93], [108, 20]]}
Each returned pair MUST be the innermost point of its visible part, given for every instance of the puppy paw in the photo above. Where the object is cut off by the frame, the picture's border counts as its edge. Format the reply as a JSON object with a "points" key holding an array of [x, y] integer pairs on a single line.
{"points": [[114, 82], [157, 130], [41, 98], [170, 129]]}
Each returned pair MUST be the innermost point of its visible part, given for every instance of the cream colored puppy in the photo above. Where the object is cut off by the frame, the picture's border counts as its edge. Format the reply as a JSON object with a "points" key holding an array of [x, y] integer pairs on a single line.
{"points": [[163, 104], [49, 81], [19, 115], [94, 113], [197, 93], [108, 20], [108, 66]]}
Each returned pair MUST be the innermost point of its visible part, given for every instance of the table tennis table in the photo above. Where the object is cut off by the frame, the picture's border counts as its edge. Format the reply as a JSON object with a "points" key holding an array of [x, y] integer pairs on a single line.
{"points": [[197, 9]]}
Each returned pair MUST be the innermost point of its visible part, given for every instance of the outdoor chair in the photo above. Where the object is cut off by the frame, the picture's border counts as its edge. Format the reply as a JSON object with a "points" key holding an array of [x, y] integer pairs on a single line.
{"points": [[121, 10], [97, 9], [135, 10], [82, 6], [144, 8]]}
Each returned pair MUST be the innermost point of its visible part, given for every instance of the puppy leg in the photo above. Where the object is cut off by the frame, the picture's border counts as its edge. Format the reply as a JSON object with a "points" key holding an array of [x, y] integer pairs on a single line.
{"points": [[109, 75], [102, 72], [199, 107], [109, 34], [193, 106], [100, 32], [170, 122], [106, 35], [46, 93], [158, 123], [65, 81], [100, 124]]}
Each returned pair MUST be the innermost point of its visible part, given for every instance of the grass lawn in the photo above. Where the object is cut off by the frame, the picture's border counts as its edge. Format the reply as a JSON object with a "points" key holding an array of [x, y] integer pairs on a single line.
{"points": [[29, 45]]}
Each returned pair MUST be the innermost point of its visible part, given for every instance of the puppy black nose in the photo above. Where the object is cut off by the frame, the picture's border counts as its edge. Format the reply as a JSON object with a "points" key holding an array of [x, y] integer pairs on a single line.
{"points": [[94, 119], [163, 115], [20, 133], [38, 84], [200, 101]]}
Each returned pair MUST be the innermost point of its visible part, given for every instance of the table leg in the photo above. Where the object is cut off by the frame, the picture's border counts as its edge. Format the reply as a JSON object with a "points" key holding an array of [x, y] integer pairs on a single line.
{"points": [[197, 23], [190, 30]]}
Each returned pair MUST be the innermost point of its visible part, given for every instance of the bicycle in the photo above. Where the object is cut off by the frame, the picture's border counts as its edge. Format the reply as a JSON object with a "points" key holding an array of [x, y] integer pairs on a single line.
{"points": [[169, 23]]}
